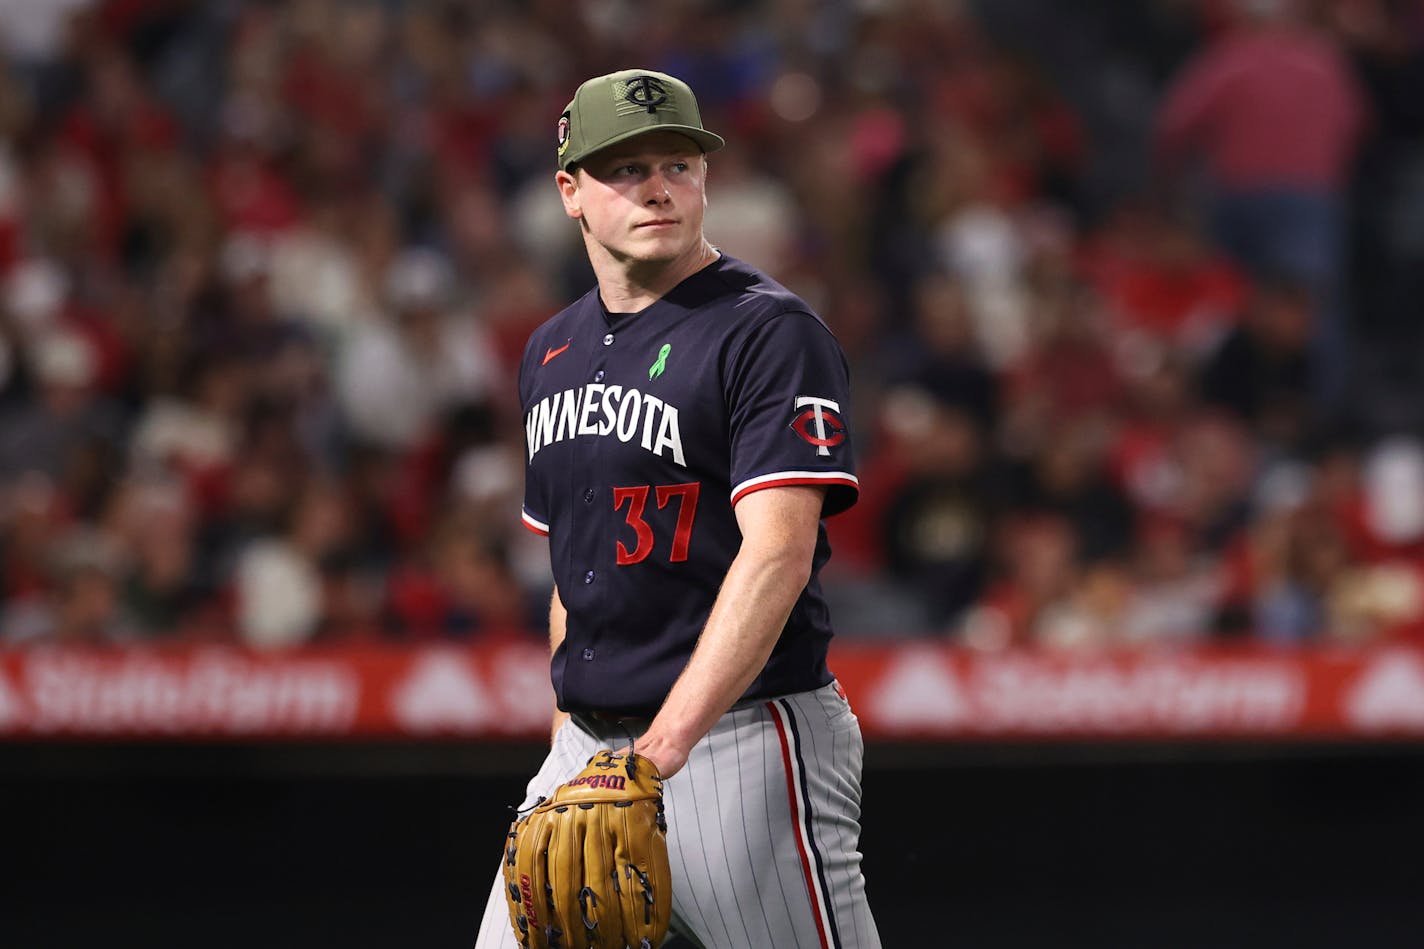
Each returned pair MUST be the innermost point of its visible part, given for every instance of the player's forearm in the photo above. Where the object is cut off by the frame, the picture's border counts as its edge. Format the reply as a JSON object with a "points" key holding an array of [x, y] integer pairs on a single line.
{"points": [[558, 626], [751, 610], [779, 531]]}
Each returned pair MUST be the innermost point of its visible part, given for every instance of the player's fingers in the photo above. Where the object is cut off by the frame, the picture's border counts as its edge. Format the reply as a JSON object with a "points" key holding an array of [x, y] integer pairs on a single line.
{"points": [[645, 885], [598, 899], [532, 861], [566, 846], [518, 916]]}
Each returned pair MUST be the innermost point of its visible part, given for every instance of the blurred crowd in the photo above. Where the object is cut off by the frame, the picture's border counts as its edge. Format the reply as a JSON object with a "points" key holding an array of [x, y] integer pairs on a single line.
{"points": [[1127, 289]]}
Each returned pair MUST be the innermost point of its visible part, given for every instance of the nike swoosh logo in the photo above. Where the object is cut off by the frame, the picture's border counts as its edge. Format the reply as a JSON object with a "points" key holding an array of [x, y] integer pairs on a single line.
{"points": [[551, 353]]}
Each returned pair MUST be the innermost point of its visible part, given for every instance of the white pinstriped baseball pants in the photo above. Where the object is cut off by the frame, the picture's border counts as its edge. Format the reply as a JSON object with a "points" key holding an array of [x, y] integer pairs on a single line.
{"points": [[763, 827]]}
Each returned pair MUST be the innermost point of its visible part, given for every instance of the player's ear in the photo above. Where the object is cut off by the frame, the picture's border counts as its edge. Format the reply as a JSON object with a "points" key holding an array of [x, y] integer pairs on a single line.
{"points": [[568, 192]]}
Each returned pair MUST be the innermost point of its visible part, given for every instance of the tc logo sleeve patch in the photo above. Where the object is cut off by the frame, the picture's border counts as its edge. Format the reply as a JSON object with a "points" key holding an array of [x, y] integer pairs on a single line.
{"points": [[820, 425], [790, 391]]}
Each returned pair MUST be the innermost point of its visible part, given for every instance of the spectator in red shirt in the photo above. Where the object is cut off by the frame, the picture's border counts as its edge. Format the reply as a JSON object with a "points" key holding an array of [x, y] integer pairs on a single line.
{"points": [[1273, 109]]}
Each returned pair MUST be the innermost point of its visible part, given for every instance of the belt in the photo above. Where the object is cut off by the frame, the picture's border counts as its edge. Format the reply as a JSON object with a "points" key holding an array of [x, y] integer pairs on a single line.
{"points": [[611, 717], [618, 718], [608, 724]]}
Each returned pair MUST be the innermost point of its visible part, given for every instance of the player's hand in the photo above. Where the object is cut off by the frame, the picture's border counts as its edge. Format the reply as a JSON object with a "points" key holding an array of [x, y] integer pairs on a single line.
{"points": [[668, 756]]}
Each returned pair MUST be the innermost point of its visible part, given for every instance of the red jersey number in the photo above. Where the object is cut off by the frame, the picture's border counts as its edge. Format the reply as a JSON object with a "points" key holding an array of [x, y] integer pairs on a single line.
{"points": [[637, 500]]}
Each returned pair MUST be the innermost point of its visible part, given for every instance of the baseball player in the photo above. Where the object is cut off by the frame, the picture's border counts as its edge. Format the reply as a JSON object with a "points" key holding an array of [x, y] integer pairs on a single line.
{"points": [[685, 433]]}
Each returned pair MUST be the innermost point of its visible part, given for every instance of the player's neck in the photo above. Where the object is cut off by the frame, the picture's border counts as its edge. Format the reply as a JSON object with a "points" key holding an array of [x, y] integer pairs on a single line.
{"points": [[627, 286]]}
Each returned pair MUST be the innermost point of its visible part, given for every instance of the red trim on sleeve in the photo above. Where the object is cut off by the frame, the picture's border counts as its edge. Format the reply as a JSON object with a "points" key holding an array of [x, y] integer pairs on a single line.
{"points": [[783, 482]]}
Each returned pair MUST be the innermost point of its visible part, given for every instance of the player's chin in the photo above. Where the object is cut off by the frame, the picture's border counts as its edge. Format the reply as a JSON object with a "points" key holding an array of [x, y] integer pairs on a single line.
{"points": [[657, 251], [670, 233]]}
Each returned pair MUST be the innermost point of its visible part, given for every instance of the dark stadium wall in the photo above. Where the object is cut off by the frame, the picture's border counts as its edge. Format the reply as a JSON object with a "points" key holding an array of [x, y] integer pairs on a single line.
{"points": [[159, 846]]}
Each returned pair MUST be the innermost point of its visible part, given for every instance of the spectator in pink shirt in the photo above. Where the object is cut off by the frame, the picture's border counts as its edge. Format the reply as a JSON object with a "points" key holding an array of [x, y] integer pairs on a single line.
{"points": [[1274, 113]]}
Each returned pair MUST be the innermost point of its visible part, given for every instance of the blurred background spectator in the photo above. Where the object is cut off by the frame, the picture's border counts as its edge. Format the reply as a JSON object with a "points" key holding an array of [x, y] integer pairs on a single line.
{"points": [[1130, 293], [1276, 113]]}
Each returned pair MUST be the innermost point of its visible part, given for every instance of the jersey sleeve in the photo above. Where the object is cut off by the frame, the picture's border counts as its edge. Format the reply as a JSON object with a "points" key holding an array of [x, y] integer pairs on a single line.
{"points": [[788, 391], [533, 514]]}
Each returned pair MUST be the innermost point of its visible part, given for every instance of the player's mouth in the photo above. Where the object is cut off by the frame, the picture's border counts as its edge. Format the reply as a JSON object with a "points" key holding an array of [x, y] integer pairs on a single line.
{"points": [[658, 224]]}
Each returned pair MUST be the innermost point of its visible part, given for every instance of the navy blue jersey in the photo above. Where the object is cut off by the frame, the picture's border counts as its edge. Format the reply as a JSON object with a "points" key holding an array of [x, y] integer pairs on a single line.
{"points": [[642, 432]]}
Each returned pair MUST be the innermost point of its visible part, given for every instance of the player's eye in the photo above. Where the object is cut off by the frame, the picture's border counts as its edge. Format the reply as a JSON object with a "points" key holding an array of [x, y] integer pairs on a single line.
{"points": [[626, 171], [679, 166]]}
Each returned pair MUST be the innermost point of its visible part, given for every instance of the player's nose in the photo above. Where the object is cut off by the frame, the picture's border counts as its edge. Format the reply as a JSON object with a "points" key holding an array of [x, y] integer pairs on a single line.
{"points": [[657, 189]]}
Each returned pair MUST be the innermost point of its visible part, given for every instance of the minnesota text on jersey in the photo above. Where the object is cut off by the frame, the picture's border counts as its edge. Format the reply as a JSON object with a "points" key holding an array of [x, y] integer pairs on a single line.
{"points": [[599, 410]]}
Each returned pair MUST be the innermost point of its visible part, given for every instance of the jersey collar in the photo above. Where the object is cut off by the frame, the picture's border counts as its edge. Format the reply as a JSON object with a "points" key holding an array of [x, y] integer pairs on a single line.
{"points": [[687, 295]]}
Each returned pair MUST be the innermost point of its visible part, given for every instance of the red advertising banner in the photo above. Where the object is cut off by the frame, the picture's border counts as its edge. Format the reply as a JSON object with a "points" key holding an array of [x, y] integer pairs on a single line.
{"points": [[900, 690], [357, 691], [929, 691]]}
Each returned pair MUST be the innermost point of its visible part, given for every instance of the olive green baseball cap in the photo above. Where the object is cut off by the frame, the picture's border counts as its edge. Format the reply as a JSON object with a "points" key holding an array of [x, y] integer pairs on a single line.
{"points": [[610, 109]]}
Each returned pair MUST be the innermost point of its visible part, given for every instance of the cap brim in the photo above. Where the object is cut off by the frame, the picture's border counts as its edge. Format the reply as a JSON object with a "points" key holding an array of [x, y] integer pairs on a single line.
{"points": [[707, 141]]}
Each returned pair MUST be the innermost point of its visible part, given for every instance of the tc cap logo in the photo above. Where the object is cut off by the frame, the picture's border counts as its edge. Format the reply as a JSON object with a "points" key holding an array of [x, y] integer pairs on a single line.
{"points": [[819, 425], [642, 92]]}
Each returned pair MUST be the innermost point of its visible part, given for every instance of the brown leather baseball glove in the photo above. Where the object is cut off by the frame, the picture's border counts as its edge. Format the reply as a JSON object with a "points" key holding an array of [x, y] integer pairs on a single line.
{"points": [[588, 867]]}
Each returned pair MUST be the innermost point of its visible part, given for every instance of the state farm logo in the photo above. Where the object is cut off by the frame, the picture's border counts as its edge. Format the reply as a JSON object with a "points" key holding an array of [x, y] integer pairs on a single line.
{"points": [[932, 691], [1389, 694], [213, 690], [11, 710], [441, 693], [919, 690]]}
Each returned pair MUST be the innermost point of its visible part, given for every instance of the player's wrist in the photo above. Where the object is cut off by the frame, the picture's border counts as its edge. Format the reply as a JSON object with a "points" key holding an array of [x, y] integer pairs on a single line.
{"points": [[667, 755]]}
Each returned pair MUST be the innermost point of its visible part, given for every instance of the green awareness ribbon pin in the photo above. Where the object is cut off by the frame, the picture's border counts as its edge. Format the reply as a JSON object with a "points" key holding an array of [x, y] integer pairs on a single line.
{"points": [[656, 369]]}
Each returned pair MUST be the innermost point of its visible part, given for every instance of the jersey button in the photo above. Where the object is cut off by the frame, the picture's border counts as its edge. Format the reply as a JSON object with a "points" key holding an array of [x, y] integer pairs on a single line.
{"points": [[588, 653], [608, 340], [588, 496], [588, 577], [598, 376]]}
